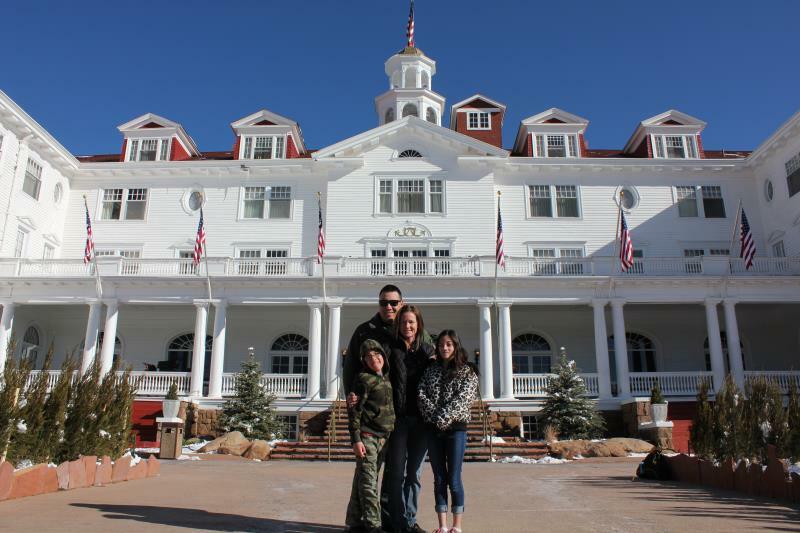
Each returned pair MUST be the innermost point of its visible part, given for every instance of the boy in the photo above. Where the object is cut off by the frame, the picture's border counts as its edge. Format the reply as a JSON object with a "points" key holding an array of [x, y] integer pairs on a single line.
{"points": [[371, 422]]}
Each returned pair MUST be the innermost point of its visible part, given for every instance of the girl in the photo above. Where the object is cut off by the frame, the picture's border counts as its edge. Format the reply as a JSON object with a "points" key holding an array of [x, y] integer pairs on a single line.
{"points": [[446, 392]]}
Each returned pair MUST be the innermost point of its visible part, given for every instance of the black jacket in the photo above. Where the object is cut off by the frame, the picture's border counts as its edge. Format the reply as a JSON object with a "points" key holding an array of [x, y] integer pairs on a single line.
{"points": [[407, 369], [374, 328]]}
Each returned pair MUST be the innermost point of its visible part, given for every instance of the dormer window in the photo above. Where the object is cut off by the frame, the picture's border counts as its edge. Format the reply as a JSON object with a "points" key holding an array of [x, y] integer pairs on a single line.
{"points": [[149, 149], [264, 147], [675, 146], [409, 153], [478, 120], [558, 145]]}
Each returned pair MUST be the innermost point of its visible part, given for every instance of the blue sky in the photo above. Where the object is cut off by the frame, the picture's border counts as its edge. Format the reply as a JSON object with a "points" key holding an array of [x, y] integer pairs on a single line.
{"points": [[83, 68]]}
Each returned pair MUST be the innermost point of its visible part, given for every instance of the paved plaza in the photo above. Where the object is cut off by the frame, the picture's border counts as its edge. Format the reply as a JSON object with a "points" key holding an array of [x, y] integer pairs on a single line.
{"points": [[238, 495]]}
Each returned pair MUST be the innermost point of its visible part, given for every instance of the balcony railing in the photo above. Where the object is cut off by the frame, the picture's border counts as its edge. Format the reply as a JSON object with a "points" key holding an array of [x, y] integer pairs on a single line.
{"points": [[281, 385], [158, 383], [535, 385], [783, 378], [671, 383], [419, 267]]}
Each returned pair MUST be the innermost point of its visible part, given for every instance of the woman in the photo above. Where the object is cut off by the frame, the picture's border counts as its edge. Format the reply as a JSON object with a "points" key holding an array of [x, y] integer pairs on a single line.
{"points": [[409, 355], [446, 392]]}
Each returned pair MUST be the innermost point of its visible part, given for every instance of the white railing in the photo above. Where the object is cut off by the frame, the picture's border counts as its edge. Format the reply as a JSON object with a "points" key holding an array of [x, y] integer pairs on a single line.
{"points": [[474, 266], [152, 383], [281, 385], [52, 378], [535, 385], [783, 378], [671, 383]]}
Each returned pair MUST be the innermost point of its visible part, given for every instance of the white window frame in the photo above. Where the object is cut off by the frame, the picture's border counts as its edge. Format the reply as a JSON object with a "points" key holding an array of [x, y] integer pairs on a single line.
{"points": [[262, 266], [21, 242], [123, 212], [249, 141], [689, 145], [701, 211], [553, 201], [134, 149], [35, 177], [426, 192], [478, 116], [572, 148], [560, 250], [778, 249], [48, 252], [268, 191]]}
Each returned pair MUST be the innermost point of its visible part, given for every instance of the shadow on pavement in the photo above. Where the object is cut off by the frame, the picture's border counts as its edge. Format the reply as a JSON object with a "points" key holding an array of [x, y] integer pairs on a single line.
{"points": [[200, 519]]}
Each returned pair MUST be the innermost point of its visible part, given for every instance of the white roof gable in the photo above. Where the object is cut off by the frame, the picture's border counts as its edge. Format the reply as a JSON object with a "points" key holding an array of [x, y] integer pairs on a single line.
{"points": [[477, 96], [676, 116], [359, 143], [147, 118], [558, 114], [566, 123], [247, 125], [686, 124], [166, 128]]}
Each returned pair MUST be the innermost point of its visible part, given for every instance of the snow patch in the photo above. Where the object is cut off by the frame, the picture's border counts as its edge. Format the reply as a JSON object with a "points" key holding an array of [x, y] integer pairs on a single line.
{"points": [[25, 463], [183, 457], [637, 454], [546, 460], [193, 447], [105, 434], [795, 468], [148, 450], [22, 427], [274, 442], [493, 439]]}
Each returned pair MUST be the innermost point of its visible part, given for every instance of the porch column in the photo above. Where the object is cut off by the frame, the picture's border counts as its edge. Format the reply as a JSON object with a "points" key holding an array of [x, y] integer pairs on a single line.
{"points": [[601, 349], [218, 349], [620, 350], [90, 339], [109, 336], [314, 349], [506, 370], [332, 360], [6, 324], [487, 378], [734, 343], [715, 343], [199, 349]]}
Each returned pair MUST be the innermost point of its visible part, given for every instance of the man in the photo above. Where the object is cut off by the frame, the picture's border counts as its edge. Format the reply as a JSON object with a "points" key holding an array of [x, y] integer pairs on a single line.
{"points": [[380, 328]]}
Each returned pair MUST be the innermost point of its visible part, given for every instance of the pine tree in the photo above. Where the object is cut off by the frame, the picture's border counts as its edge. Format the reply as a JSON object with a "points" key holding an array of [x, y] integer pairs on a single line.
{"points": [[791, 447], [119, 421], [15, 376], [55, 409], [567, 409], [727, 421], [701, 434], [250, 409], [29, 444], [763, 417], [80, 427]]}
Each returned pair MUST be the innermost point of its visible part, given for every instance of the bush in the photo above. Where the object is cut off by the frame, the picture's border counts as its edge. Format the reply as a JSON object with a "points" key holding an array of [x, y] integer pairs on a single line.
{"points": [[567, 409], [172, 393], [655, 394], [701, 438]]}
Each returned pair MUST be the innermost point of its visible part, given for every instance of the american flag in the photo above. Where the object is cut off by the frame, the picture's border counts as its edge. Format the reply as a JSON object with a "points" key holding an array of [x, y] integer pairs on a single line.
{"points": [[88, 251], [500, 254], [748, 249], [410, 31], [320, 236], [625, 244], [200, 240]]}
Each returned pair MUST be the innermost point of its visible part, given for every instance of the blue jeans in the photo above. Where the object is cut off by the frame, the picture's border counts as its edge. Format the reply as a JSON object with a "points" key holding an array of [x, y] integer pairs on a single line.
{"points": [[447, 458], [405, 455]]}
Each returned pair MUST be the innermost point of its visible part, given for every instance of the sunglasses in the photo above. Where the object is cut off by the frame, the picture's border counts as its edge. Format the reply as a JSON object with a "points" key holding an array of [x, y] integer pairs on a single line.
{"points": [[384, 303]]}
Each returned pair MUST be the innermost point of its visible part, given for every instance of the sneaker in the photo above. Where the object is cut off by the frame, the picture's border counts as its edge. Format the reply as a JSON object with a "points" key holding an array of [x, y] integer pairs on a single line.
{"points": [[453, 530], [415, 529]]}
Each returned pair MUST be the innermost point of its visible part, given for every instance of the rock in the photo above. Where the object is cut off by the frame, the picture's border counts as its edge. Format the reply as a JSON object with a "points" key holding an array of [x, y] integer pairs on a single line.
{"points": [[28, 482], [258, 450], [77, 474], [90, 466], [568, 449], [632, 445], [104, 472], [137, 471], [6, 479], [616, 447], [233, 443], [62, 472], [120, 469], [153, 466]]}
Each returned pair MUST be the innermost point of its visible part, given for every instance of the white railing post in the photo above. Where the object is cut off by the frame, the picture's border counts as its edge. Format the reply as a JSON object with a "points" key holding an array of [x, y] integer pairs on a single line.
{"points": [[601, 349], [734, 343], [620, 349], [199, 349], [486, 353], [715, 343], [332, 360], [109, 336], [506, 370], [218, 350], [90, 339], [314, 348]]}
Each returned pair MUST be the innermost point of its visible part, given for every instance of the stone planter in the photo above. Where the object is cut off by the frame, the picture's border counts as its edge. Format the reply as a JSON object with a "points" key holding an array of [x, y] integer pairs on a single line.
{"points": [[171, 408], [658, 412]]}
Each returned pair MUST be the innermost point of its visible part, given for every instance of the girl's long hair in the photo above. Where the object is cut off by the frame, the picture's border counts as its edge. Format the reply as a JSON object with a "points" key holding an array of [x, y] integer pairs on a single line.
{"points": [[414, 310], [459, 353]]}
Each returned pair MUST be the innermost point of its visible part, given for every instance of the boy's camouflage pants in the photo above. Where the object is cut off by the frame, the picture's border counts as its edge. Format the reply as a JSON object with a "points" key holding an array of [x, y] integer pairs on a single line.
{"points": [[364, 508]]}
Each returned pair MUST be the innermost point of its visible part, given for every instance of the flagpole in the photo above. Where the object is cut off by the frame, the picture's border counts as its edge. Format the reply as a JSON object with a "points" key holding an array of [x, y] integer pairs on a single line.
{"points": [[98, 282], [321, 258], [733, 236], [616, 243], [205, 257]]}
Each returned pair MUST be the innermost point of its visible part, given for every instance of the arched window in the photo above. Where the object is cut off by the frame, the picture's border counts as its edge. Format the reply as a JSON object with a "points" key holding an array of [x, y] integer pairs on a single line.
{"points": [[531, 354], [426, 80], [179, 353], [410, 110], [117, 346], [725, 354], [641, 352], [289, 354], [389, 116], [396, 80], [411, 79], [409, 153], [31, 345], [430, 115]]}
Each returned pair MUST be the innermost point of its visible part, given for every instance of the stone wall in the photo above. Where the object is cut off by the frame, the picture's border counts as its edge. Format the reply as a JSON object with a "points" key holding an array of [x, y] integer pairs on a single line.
{"points": [[634, 413]]}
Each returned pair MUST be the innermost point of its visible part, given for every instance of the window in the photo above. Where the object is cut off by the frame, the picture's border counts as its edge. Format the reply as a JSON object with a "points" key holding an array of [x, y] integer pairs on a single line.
{"points": [[186, 264], [179, 354], [793, 175], [389, 116], [378, 263], [289, 426], [553, 261], [687, 197], [544, 261], [693, 262], [410, 110], [403, 196], [19, 244], [430, 116], [31, 345], [530, 354], [117, 345], [769, 190], [478, 120], [675, 146], [264, 147], [641, 352], [149, 149], [724, 338], [412, 267], [262, 262], [48, 252], [719, 251], [289, 355], [124, 204], [129, 268], [566, 205], [571, 268], [628, 197], [778, 250], [267, 202], [556, 145], [409, 153], [442, 266], [531, 428], [249, 268], [638, 264], [58, 193], [33, 179]]}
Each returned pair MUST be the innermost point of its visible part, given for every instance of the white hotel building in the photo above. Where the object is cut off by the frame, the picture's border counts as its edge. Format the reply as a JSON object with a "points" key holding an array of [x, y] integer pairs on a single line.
{"points": [[410, 202]]}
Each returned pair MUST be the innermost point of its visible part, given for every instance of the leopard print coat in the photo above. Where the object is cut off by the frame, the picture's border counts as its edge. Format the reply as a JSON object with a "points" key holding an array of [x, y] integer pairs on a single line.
{"points": [[444, 401]]}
